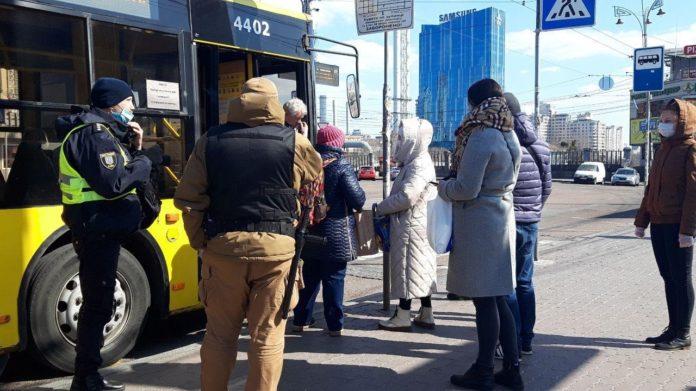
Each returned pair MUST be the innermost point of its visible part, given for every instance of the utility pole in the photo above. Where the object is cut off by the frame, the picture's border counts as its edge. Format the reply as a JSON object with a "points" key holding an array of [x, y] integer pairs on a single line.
{"points": [[644, 20], [333, 110], [537, 34], [386, 289], [347, 120]]}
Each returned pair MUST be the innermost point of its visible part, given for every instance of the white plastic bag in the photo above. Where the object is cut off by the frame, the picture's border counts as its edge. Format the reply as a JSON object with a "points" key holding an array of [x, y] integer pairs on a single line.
{"points": [[439, 224]]}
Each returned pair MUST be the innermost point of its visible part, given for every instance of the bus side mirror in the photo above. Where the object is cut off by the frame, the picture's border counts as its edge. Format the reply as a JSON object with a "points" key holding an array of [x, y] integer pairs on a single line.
{"points": [[353, 92]]}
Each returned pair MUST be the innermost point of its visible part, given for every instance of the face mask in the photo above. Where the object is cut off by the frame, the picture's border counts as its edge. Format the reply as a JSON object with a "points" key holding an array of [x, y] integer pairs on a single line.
{"points": [[125, 116], [666, 129]]}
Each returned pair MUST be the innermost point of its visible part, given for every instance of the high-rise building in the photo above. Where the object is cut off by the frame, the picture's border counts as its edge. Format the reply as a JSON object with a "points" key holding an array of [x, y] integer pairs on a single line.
{"points": [[583, 133], [465, 47]]}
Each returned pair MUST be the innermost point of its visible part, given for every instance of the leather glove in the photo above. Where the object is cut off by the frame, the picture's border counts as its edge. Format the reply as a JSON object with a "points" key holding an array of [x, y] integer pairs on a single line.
{"points": [[686, 241], [640, 232]]}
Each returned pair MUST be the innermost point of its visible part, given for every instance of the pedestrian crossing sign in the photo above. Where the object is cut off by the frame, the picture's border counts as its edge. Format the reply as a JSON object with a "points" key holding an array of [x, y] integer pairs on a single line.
{"points": [[561, 14]]}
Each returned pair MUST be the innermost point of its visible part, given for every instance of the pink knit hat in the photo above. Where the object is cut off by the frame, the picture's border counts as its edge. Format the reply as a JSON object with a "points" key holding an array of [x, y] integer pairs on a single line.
{"points": [[331, 136]]}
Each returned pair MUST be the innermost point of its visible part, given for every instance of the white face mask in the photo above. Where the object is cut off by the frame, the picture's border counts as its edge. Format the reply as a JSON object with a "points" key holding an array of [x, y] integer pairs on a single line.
{"points": [[667, 130]]}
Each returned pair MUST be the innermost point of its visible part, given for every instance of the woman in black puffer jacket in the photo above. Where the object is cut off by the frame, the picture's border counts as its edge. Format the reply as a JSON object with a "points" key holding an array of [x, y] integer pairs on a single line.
{"points": [[327, 264]]}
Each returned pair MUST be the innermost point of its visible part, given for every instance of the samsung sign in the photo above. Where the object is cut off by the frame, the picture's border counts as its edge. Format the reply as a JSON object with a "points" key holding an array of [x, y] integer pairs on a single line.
{"points": [[454, 15]]}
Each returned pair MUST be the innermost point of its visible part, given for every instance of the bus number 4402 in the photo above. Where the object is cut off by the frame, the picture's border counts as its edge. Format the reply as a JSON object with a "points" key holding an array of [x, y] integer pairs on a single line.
{"points": [[259, 27]]}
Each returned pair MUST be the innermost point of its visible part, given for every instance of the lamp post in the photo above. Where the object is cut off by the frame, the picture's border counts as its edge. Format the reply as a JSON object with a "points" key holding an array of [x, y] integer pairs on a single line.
{"points": [[643, 20]]}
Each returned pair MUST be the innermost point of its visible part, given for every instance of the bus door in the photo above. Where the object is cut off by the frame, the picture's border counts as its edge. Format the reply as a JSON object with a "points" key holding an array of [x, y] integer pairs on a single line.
{"points": [[223, 72]]}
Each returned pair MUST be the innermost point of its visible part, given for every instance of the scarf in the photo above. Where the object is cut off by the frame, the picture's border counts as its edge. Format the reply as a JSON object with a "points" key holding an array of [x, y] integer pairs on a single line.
{"points": [[491, 113]]}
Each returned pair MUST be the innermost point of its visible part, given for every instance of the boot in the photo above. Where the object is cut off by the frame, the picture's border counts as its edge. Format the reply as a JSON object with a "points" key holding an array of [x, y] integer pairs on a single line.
{"points": [[666, 336], [425, 318], [682, 342], [401, 321], [476, 378], [94, 383], [510, 377]]}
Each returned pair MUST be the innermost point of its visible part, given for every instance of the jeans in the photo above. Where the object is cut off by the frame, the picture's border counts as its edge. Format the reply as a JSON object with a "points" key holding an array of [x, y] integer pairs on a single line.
{"points": [[523, 301], [674, 264], [331, 276], [98, 255]]}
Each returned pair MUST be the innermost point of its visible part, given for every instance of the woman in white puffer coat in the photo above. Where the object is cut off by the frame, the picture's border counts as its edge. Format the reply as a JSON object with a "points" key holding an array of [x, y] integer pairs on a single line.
{"points": [[413, 264]]}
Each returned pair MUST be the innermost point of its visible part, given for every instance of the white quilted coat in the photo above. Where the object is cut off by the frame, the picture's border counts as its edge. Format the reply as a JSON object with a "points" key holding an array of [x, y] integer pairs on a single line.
{"points": [[412, 261]]}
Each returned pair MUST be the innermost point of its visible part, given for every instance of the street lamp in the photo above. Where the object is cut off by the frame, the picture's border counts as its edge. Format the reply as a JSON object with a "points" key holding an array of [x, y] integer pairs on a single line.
{"points": [[643, 20]]}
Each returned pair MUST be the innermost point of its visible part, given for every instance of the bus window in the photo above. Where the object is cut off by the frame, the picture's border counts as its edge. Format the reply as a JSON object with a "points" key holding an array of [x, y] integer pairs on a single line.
{"points": [[168, 133], [47, 53], [135, 56], [283, 73], [29, 160]]}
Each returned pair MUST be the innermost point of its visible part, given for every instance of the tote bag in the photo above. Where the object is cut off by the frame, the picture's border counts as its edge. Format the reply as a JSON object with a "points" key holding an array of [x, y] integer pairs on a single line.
{"points": [[365, 233]]}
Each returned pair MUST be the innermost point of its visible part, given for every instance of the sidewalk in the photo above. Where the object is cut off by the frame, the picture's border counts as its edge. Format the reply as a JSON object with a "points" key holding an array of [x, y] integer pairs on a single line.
{"points": [[598, 298]]}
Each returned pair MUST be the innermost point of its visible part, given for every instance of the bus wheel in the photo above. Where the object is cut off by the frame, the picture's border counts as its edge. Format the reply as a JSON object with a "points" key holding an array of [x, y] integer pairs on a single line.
{"points": [[56, 299]]}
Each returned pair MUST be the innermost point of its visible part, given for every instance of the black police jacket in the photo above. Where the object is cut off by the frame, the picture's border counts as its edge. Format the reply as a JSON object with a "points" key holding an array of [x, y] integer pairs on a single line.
{"points": [[83, 149]]}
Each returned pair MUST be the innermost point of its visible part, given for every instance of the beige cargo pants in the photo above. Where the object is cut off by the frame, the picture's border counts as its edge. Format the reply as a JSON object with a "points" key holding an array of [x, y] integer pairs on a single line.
{"points": [[231, 290]]}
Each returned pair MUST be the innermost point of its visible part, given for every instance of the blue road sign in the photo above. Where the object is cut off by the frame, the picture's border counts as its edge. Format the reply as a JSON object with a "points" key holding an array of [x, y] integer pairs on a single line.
{"points": [[649, 69], [606, 83], [563, 14]]}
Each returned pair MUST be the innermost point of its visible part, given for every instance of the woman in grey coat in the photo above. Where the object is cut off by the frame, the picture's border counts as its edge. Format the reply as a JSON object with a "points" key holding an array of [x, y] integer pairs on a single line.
{"points": [[481, 264]]}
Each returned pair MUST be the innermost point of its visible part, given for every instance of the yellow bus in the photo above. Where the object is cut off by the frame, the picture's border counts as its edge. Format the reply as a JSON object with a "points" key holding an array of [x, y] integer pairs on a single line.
{"points": [[185, 61]]}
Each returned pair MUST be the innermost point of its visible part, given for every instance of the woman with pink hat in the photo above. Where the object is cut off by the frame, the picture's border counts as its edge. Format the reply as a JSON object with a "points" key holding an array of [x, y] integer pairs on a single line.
{"points": [[326, 265]]}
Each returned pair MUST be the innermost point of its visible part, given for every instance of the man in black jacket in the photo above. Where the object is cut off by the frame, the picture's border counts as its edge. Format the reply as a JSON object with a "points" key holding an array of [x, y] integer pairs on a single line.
{"points": [[99, 175]]}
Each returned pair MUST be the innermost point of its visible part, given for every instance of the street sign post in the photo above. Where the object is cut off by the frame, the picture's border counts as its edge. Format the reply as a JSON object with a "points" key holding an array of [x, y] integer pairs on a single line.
{"points": [[563, 14], [374, 16], [648, 69]]}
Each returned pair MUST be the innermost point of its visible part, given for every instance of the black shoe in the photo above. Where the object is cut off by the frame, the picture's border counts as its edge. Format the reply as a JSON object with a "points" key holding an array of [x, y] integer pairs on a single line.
{"points": [[510, 377], [679, 343], [666, 336], [454, 296], [476, 378], [94, 383]]}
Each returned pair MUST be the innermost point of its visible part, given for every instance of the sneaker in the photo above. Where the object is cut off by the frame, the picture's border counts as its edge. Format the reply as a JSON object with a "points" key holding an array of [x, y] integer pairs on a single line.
{"points": [[335, 333], [498, 352], [666, 336], [510, 377], [526, 349], [299, 329], [425, 318], [476, 378], [683, 343], [401, 321]]}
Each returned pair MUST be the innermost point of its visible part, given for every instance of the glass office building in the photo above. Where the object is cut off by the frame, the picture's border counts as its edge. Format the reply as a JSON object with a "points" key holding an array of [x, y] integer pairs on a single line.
{"points": [[465, 47]]}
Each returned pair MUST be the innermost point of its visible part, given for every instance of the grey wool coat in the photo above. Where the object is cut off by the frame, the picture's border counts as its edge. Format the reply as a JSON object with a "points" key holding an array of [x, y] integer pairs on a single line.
{"points": [[482, 260], [412, 262]]}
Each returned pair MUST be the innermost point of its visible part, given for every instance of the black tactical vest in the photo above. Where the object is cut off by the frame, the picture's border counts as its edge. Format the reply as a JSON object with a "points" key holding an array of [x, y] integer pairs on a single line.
{"points": [[250, 179]]}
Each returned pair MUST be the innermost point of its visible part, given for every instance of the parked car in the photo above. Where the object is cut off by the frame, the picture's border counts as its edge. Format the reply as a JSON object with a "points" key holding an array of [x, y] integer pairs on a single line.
{"points": [[625, 176], [394, 172], [590, 172], [367, 172]]}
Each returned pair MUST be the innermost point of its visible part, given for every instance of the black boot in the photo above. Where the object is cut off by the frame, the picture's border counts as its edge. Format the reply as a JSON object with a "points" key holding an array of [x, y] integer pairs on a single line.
{"points": [[510, 377], [94, 383], [682, 342], [666, 336], [476, 378]]}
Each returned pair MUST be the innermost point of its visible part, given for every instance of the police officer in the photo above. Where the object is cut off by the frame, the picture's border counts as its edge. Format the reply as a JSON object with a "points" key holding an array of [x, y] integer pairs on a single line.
{"points": [[239, 195], [98, 177]]}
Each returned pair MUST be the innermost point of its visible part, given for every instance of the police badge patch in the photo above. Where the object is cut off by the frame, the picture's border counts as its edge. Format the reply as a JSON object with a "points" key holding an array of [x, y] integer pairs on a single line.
{"points": [[108, 159]]}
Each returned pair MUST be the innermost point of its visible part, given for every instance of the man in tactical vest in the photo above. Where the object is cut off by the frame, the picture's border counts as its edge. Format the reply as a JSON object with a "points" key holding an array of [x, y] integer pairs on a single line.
{"points": [[239, 197], [98, 178]]}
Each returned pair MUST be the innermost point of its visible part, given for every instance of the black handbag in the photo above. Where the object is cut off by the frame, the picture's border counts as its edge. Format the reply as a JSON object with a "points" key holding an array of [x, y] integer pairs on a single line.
{"points": [[148, 193]]}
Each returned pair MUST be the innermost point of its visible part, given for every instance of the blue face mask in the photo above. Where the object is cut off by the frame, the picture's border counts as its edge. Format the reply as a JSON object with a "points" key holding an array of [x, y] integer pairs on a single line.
{"points": [[125, 116]]}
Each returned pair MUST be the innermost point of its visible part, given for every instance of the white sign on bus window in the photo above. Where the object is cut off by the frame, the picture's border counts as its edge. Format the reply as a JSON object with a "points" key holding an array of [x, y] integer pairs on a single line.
{"points": [[162, 95]]}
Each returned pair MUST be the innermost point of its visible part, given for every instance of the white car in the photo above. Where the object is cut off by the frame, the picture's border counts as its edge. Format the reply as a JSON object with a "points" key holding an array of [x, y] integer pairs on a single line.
{"points": [[590, 172], [625, 176]]}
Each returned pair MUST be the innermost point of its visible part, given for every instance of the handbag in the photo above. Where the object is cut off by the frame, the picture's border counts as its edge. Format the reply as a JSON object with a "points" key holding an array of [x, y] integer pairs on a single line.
{"points": [[365, 233]]}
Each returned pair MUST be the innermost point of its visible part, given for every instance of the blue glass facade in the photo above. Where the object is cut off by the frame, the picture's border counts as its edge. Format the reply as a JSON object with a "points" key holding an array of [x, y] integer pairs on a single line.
{"points": [[464, 48]]}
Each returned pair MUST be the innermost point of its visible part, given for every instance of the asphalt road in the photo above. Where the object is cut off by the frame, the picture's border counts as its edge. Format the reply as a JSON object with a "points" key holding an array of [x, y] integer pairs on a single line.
{"points": [[574, 214]]}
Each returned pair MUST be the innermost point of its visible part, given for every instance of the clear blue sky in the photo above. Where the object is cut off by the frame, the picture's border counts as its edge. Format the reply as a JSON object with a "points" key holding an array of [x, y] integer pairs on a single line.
{"points": [[572, 61]]}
